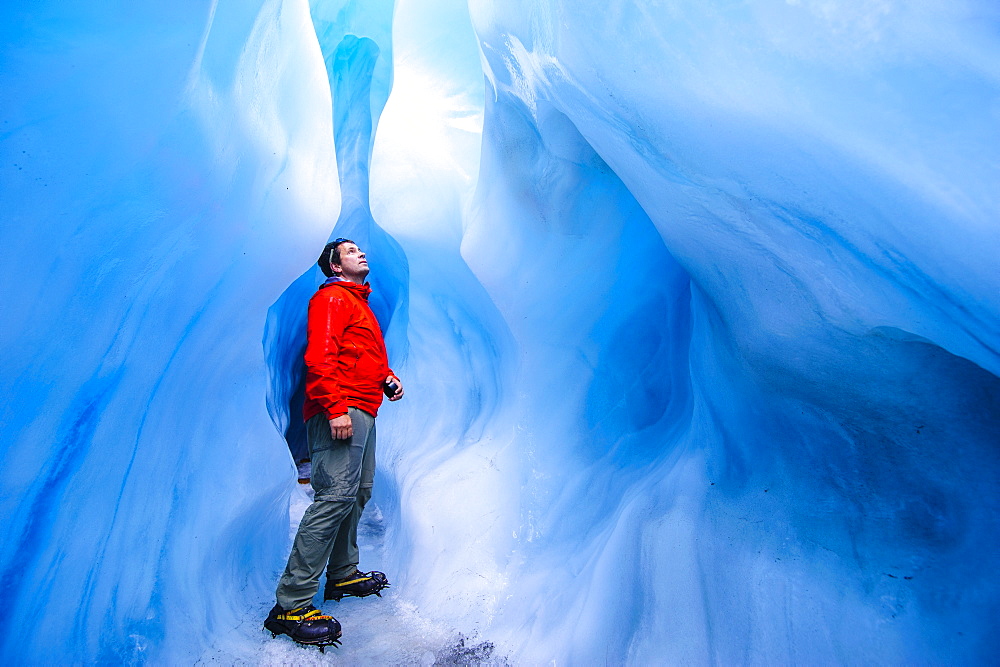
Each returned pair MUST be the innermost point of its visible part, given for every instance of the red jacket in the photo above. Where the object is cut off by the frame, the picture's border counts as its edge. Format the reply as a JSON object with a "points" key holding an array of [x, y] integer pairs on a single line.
{"points": [[346, 363]]}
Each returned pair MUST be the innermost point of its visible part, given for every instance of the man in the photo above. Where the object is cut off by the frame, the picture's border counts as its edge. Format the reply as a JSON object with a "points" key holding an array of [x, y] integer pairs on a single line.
{"points": [[347, 372]]}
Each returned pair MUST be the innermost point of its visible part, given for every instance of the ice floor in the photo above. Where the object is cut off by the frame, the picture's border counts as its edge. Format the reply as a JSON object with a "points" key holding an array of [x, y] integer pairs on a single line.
{"points": [[377, 631]]}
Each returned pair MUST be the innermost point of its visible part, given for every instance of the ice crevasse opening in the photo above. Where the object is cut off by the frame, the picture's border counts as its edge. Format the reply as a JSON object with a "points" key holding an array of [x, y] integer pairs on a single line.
{"points": [[696, 306]]}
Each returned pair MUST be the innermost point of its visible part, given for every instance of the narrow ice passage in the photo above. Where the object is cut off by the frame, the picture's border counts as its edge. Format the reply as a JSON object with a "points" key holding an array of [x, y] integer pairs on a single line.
{"points": [[696, 305]]}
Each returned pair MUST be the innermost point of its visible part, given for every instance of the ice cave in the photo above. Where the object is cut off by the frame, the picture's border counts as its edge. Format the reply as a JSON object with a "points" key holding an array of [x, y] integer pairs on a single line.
{"points": [[697, 304]]}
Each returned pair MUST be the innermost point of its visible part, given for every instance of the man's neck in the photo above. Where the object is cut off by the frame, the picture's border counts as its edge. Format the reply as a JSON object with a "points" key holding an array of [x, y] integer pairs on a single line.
{"points": [[360, 280]]}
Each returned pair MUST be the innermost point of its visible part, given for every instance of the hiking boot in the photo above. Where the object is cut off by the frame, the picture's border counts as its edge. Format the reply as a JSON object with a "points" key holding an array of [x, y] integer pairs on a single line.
{"points": [[359, 584], [305, 625]]}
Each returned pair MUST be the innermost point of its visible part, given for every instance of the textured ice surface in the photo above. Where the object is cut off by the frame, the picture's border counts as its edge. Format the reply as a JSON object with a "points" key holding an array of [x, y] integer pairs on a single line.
{"points": [[794, 443], [695, 304], [166, 172]]}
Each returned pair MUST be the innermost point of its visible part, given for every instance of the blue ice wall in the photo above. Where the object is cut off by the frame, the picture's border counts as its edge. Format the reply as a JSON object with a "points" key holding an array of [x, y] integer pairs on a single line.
{"points": [[820, 485], [697, 321], [166, 173]]}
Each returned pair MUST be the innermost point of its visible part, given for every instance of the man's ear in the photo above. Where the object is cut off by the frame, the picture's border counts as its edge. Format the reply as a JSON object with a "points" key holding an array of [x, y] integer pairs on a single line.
{"points": [[336, 268]]}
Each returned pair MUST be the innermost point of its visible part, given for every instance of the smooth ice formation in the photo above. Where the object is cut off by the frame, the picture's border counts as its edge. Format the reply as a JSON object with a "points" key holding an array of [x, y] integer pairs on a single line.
{"points": [[166, 173], [695, 303]]}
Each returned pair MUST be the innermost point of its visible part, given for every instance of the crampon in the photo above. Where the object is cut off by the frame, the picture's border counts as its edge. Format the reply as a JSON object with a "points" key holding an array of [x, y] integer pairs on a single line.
{"points": [[359, 584], [306, 626]]}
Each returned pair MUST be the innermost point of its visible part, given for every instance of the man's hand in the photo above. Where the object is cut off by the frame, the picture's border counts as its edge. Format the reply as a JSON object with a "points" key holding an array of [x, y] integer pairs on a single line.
{"points": [[341, 427], [399, 388]]}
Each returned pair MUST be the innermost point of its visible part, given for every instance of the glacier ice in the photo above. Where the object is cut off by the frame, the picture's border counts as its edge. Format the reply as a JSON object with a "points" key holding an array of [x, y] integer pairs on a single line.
{"points": [[696, 306], [155, 165]]}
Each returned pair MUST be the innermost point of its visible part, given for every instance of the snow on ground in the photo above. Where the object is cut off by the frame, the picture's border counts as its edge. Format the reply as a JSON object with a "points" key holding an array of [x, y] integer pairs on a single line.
{"points": [[377, 631]]}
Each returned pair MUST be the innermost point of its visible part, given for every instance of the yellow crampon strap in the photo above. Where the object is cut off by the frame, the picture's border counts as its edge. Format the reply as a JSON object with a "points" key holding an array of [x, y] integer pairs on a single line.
{"points": [[352, 581], [312, 615]]}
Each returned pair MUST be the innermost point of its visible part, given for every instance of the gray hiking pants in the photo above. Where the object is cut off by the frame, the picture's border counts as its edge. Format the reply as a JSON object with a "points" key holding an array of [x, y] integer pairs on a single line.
{"points": [[342, 475]]}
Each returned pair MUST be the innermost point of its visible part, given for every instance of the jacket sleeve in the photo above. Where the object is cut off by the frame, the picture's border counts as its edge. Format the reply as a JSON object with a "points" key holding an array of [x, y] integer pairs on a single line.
{"points": [[326, 322]]}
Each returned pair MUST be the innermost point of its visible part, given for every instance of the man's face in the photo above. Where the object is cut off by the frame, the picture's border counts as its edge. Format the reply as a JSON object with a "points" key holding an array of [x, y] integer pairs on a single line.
{"points": [[353, 265]]}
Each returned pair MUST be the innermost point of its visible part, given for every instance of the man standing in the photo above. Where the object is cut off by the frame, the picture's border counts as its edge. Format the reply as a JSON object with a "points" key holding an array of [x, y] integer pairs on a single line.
{"points": [[347, 372]]}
